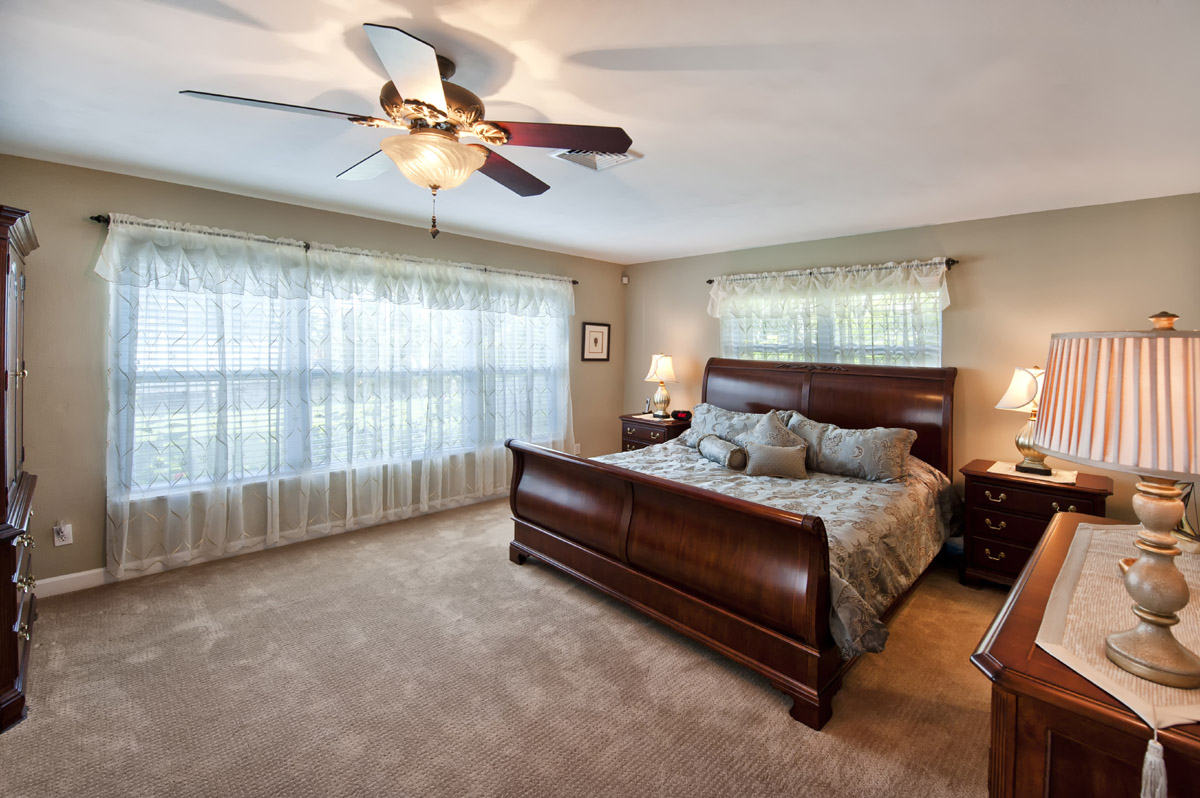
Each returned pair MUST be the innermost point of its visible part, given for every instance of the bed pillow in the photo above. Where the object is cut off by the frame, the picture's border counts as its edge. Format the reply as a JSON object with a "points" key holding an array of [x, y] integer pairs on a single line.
{"points": [[763, 460], [722, 452], [811, 432], [770, 431], [712, 420], [879, 454]]}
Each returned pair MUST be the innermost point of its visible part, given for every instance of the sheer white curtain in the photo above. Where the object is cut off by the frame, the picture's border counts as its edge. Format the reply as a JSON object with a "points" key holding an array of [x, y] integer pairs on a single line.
{"points": [[887, 314], [263, 391]]}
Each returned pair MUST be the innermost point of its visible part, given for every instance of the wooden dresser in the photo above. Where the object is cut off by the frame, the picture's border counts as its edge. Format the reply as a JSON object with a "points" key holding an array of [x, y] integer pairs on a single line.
{"points": [[1006, 515], [18, 606], [1053, 732], [640, 431]]}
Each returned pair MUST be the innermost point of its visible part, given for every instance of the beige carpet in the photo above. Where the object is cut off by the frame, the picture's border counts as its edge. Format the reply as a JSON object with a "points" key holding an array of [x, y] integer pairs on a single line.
{"points": [[415, 660]]}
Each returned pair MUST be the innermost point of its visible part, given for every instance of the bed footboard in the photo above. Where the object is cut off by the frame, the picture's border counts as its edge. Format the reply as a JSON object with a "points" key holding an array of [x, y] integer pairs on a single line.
{"points": [[749, 581]]}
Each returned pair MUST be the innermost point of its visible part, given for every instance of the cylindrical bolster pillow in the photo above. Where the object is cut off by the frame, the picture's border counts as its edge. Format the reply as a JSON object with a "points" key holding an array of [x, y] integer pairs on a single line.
{"points": [[722, 452]]}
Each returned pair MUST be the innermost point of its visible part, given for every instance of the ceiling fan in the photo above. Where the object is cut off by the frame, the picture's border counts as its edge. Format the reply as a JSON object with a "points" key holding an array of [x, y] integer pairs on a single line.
{"points": [[421, 100]]}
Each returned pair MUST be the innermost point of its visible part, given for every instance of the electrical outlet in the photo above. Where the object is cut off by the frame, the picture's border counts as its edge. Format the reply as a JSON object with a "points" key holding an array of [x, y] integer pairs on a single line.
{"points": [[577, 448], [62, 534]]}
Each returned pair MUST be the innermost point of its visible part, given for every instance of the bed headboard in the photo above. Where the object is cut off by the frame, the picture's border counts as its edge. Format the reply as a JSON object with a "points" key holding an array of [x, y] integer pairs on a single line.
{"points": [[920, 399]]}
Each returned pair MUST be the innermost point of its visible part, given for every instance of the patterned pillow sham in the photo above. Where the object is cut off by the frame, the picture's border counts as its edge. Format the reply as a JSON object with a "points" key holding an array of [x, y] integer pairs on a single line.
{"points": [[879, 454], [770, 431], [763, 460], [712, 420], [722, 452]]}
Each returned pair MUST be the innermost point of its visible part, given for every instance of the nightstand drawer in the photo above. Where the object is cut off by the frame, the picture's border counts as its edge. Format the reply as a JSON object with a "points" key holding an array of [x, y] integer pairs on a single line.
{"points": [[631, 431], [1023, 500], [1005, 526], [630, 446], [996, 557]]}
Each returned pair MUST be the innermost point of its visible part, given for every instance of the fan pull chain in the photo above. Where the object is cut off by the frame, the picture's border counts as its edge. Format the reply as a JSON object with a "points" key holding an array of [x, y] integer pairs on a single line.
{"points": [[433, 231]]}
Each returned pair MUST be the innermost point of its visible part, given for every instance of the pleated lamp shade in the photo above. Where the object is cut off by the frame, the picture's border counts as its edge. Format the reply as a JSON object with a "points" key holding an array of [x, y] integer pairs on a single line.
{"points": [[1128, 401]]}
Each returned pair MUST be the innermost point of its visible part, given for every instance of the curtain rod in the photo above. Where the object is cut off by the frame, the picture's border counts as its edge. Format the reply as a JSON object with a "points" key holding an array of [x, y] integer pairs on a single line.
{"points": [[102, 218], [950, 262]]}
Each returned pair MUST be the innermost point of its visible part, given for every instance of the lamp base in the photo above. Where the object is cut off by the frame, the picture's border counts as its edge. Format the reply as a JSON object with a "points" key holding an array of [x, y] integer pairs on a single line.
{"points": [[1035, 461], [1028, 466], [661, 401], [1149, 650], [1159, 592]]}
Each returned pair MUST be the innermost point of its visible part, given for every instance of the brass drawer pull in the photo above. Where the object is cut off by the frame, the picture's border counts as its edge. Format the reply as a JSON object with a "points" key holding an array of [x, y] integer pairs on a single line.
{"points": [[988, 493], [24, 539], [656, 436], [23, 631], [1057, 509], [630, 431], [26, 583], [988, 553], [993, 527], [631, 447]]}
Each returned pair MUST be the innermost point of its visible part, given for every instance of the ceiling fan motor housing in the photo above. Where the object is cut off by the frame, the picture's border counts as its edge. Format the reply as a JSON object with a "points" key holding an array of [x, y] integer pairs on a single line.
{"points": [[464, 109]]}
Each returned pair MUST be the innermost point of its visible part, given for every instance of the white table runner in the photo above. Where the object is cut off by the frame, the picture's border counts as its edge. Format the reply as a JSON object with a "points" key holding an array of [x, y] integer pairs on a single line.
{"points": [[1056, 475], [1089, 602]]}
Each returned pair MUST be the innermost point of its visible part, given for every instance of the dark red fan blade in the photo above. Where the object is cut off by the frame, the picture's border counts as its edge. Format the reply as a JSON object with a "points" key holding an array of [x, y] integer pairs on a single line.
{"points": [[297, 109], [372, 166], [511, 176], [567, 137]]}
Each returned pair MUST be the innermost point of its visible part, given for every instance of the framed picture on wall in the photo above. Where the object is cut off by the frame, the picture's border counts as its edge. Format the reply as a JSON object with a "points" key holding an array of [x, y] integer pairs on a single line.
{"points": [[595, 340]]}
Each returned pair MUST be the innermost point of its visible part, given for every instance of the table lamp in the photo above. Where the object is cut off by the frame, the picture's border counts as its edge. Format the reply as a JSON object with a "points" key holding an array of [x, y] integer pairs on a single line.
{"points": [[661, 371], [1130, 401], [1022, 396]]}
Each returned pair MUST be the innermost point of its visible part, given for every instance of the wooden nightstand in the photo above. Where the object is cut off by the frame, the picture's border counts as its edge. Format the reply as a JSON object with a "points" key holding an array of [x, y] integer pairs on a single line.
{"points": [[640, 431], [1054, 733], [1006, 516]]}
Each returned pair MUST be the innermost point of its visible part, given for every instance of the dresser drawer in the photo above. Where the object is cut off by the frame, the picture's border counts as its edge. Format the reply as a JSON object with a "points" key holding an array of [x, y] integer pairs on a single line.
{"points": [[1005, 526], [25, 640], [1024, 500], [632, 446], [996, 557], [633, 432], [23, 574]]}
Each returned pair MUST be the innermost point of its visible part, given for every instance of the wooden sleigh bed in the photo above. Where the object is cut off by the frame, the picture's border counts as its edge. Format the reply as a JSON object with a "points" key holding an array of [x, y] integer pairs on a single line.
{"points": [[747, 580]]}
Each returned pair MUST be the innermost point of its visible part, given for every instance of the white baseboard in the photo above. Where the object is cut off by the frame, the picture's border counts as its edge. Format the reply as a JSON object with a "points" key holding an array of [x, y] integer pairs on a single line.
{"points": [[82, 580], [69, 583]]}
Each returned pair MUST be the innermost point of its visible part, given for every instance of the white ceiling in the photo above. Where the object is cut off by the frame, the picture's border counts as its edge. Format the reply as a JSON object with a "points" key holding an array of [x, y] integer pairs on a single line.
{"points": [[760, 122]]}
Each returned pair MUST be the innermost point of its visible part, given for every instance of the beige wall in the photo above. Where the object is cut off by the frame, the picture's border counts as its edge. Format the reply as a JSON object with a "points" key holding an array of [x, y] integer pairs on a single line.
{"points": [[66, 321], [1020, 279]]}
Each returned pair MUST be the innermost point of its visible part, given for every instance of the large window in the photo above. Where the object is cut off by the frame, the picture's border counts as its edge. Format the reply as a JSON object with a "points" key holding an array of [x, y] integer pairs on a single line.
{"points": [[259, 390], [881, 315], [221, 390]]}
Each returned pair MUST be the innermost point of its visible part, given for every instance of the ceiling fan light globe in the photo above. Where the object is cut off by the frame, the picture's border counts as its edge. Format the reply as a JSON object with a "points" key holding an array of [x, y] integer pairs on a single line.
{"points": [[433, 158]]}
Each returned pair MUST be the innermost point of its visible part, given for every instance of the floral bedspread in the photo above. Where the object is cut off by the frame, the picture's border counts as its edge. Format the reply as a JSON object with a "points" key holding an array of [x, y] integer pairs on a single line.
{"points": [[882, 536]]}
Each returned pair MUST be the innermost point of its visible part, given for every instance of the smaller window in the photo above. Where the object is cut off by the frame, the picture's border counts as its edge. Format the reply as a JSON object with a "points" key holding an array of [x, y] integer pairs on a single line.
{"points": [[889, 314]]}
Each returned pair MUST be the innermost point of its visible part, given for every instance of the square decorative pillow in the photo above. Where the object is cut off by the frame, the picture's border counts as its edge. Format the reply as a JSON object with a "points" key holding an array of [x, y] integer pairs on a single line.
{"points": [[763, 460], [722, 452], [712, 420], [879, 454], [770, 431]]}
